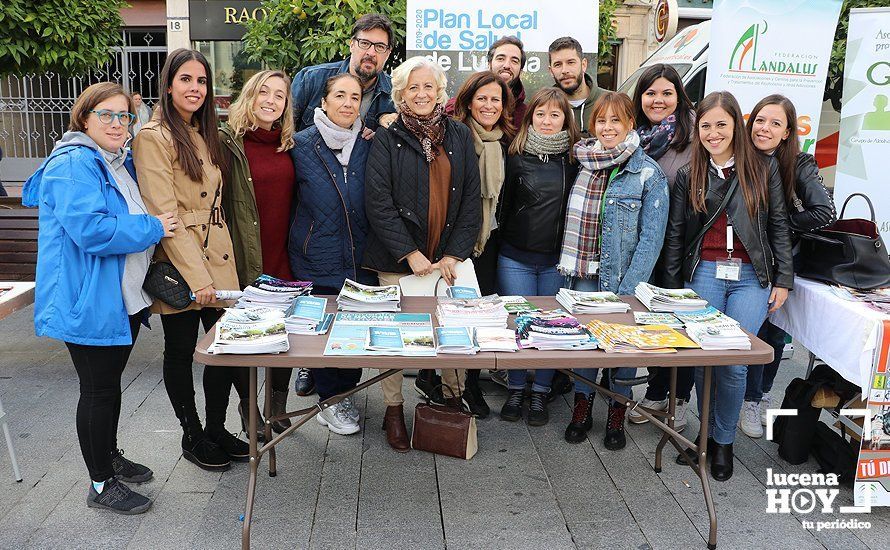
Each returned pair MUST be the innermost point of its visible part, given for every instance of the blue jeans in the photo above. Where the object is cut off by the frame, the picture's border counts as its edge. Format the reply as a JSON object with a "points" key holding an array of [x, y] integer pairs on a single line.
{"points": [[761, 377], [746, 302], [592, 285], [521, 279]]}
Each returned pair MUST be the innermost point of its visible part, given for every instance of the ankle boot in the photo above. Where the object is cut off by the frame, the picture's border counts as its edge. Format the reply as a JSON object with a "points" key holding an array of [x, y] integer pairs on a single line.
{"points": [[682, 457], [279, 406], [244, 412], [197, 448], [615, 438], [396, 432], [474, 397], [576, 431], [721, 461]]}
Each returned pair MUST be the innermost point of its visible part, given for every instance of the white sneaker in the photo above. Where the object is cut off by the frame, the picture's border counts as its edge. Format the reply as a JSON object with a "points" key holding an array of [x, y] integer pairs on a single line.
{"points": [[765, 405], [634, 417], [348, 404], [680, 414], [749, 420], [337, 419]]}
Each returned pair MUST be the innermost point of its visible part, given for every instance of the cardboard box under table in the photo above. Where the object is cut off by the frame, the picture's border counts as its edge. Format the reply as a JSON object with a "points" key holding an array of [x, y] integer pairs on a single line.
{"points": [[307, 352]]}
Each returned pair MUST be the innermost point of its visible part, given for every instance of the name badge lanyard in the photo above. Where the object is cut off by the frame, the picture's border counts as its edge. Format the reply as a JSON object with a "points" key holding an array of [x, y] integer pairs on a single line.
{"points": [[731, 268]]}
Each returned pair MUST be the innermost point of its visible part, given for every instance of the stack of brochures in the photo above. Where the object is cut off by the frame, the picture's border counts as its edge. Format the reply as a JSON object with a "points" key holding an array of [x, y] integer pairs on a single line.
{"points": [[518, 304], [553, 330], [618, 338], [709, 314], [668, 300], [407, 334], [306, 315], [358, 297], [461, 292], [495, 339], [652, 318], [250, 330], [719, 335], [268, 291], [457, 340], [488, 311], [590, 302]]}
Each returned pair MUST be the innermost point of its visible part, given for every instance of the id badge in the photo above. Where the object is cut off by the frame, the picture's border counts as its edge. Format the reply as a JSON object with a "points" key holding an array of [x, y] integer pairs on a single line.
{"points": [[729, 269]]}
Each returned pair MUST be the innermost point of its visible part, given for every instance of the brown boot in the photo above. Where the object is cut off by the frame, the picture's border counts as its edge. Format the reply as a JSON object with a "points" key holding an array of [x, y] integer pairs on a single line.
{"points": [[396, 432]]}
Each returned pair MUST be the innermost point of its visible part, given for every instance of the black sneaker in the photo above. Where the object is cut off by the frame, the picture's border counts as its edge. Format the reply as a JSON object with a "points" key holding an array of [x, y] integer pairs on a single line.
{"points": [[118, 498], [537, 409], [512, 409], [475, 400], [305, 383], [127, 470], [237, 449], [204, 453], [429, 385], [560, 385]]}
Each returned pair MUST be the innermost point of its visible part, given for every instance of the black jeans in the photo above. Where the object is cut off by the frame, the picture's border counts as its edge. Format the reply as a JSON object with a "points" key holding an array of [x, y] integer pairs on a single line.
{"points": [[660, 385], [328, 382], [180, 338], [99, 369]]}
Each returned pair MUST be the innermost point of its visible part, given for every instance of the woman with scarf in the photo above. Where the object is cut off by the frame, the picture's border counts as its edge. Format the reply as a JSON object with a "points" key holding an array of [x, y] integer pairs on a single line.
{"points": [[327, 238], [257, 199], [540, 172], [666, 124], [615, 223], [422, 201], [484, 103]]}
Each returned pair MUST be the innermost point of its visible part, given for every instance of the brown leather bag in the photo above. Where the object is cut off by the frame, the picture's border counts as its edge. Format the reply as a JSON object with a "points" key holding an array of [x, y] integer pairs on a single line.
{"points": [[443, 430]]}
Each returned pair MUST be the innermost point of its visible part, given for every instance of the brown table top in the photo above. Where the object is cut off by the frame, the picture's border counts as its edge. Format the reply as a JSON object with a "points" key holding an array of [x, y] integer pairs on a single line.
{"points": [[20, 296], [307, 351]]}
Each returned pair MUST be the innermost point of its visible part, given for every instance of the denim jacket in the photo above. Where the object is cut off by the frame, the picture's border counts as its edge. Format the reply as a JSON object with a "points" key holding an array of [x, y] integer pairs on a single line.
{"points": [[308, 89], [633, 224]]}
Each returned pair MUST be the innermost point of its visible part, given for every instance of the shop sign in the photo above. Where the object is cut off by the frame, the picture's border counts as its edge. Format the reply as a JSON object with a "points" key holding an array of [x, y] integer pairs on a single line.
{"points": [[222, 19]]}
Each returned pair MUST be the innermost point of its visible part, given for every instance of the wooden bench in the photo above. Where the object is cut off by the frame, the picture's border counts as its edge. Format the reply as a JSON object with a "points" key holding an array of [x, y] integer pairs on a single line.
{"points": [[18, 240]]}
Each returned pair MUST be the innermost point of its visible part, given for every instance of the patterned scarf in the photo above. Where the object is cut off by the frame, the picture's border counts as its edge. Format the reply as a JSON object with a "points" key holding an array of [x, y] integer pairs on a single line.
{"points": [[581, 241], [546, 144], [655, 140], [428, 129]]}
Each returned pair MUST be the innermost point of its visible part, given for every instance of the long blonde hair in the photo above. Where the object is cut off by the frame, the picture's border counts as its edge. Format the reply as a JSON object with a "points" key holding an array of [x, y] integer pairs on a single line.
{"points": [[242, 117]]}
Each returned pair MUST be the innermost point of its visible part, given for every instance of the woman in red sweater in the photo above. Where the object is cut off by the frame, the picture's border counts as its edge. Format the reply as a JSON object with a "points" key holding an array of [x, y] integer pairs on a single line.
{"points": [[259, 193]]}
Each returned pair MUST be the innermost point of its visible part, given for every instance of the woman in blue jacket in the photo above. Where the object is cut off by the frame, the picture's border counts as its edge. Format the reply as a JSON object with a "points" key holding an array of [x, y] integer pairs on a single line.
{"points": [[615, 223], [94, 245], [327, 237]]}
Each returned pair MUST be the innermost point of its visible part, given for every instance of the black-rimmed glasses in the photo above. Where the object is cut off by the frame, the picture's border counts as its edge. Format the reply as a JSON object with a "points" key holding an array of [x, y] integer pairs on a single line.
{"points": [[379, 47]]}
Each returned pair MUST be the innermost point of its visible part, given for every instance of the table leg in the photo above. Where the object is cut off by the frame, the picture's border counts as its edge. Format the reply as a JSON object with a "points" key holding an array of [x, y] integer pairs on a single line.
{"points": [[267, 410], [254, 461], [672, 407], [702, 469]]}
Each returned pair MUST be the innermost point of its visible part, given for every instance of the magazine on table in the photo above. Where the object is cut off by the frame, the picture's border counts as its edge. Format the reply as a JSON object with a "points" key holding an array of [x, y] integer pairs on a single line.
{"points": [[268, 291], [457, 340], [496, 339], [487, 311], [250, 331], [305, 315], [577, 301], [385, 340], [349, 333], [461, 292], [719, 336], [553, 330], [668, 300], [619, 338], [709, 314], [652, 318], [358, 297], [518, 304]]}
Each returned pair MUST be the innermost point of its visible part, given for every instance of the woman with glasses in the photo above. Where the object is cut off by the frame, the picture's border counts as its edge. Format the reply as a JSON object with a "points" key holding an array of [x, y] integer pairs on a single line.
{"points": [[95, 241]]}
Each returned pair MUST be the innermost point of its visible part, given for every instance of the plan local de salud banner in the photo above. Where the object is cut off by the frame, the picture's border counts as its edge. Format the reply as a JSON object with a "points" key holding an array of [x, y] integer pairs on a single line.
{"points": [[763, 47], [458, 33]]}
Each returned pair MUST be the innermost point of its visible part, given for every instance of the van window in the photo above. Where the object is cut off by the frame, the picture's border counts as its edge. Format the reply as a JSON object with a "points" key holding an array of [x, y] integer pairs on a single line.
{"points": [[695, 87], [630, 84]]}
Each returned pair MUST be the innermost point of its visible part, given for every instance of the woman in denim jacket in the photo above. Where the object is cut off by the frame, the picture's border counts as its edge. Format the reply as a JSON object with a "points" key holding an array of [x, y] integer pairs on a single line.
{"points": [[615, 223]]}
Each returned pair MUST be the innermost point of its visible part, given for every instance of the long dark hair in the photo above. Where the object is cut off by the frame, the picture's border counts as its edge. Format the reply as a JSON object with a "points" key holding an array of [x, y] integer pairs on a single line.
{"points": [[684, 104], [789, 148], [464, 99], [750, 167], [543, 97], [204, 117]]}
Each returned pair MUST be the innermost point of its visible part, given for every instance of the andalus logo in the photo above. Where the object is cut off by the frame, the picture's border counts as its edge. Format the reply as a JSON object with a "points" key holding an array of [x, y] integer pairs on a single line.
{"points": [[686, 40], [747, 56]]}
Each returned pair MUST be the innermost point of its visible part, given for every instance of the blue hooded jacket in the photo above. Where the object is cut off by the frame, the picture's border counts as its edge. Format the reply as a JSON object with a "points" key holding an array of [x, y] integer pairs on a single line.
{"points": [[85, 233]]}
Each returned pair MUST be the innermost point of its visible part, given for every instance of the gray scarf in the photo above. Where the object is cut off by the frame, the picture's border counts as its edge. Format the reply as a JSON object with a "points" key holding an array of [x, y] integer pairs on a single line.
{"points": [[546, 144], [338, 139]]}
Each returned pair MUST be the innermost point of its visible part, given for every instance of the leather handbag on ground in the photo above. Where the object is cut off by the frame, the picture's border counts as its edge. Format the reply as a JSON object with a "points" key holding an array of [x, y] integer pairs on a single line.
{"points": [[165, 283], [444, 430], [849, 252]]}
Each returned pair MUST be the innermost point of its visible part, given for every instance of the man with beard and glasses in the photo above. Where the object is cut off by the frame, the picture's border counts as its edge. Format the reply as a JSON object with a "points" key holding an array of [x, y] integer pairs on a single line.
{"points": [[369, 47], [506, 58], [569, 71]]}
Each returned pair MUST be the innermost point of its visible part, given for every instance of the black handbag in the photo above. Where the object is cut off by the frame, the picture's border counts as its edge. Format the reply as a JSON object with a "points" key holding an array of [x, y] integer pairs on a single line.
{"points": [[165, 283], [849, 252]]}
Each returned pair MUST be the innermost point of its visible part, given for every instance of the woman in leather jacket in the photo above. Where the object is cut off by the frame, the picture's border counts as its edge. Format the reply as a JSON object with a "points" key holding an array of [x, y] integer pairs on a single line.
{"points": [[772, 127], [728, 185], [540, 173]]}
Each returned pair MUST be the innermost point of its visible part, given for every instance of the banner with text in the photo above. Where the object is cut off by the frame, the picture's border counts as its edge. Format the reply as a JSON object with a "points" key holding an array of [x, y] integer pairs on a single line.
{"points": [[872, 486], [865, 118], [763, 47], [458, 35]]}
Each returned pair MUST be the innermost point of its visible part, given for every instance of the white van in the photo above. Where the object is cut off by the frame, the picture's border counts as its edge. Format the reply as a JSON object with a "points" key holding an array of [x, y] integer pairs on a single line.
{"points": [[688, 53]]}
